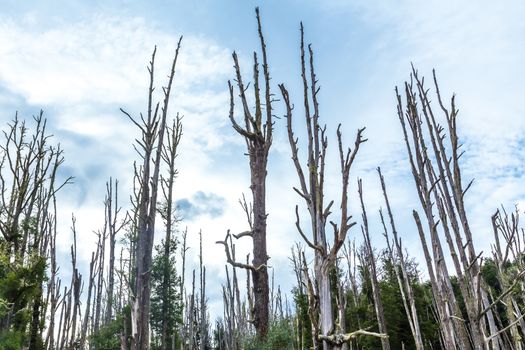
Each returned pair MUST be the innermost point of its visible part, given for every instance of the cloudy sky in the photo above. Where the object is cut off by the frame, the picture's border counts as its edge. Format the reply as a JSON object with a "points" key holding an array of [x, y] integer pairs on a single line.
{"points": [[81, 61]]}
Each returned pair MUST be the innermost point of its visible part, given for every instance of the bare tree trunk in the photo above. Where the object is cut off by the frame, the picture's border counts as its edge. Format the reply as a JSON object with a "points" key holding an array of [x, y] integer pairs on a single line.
{"points": [[312, 191], [191, 316], [447, 328], [150, 149], [203, 321], [371, 263], [313, 311], [64, 317], [341, 307], [504, 256], [429, 185], [184, 330], [405, 286], [91, 282], [258, 137], [28, 168], [53, 288], [169, 155], [100, 279], [112, 211], [76, 285]]}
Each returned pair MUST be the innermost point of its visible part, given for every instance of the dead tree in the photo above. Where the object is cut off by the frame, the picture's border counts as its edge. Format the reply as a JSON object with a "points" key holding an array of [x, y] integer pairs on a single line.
{"points": [[371, 265], [452, 325], [113, 226], [91, 284], [228, 299], [507, 251], [312, 190], [350, 255], [299, 326], [98, 305], [100, 302], [76, 285], [235, 328], [183, 293], [183, 252], [149, 148], [195, 324], [53, 287], [313, 304], [402, 276], [169, 155], [63, 324], [342, 302], [203, 317], [257, 132], [434, 155], [28, 185]]}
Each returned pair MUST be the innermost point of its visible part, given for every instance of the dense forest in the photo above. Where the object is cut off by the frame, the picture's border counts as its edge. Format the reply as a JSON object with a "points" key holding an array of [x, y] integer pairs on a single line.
{"points": [[348, 294]]}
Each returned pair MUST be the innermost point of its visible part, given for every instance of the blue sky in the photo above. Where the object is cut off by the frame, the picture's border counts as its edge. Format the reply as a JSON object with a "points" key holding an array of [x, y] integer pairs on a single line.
{"points": [[81, 61]]}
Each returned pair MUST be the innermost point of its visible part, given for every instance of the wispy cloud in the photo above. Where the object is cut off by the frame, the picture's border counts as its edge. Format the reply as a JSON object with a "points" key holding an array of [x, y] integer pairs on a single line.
{"points": [[81, 73]]}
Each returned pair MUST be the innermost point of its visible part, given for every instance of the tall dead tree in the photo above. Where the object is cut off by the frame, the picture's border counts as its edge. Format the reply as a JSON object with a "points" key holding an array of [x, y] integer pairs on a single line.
{"points": [[508, 258], [235, 322], [169, 155], [453, 328], [371, 265], [257, 132], [149, 148], [99, 286], [300, 326], [76, 285], [28, 185], [87, 311], [53, 286], [402, 276], [113, 227], [312, 191], [434, 154], [203, 317]]}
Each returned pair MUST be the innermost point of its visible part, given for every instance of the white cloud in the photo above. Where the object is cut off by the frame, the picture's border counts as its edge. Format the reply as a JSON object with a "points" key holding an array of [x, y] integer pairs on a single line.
{"points": [[478, 52], [83, 72]]}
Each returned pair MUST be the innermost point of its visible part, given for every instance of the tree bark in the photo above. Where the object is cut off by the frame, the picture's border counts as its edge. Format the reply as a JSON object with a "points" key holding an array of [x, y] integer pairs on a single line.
{"points": [[311, 189], [371, 263], [258, 137], [150, 149]]}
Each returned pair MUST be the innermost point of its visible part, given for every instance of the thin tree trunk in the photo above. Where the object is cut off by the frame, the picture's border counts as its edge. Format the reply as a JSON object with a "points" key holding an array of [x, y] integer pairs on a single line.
{"points": [[371, 263], [402, 276]]}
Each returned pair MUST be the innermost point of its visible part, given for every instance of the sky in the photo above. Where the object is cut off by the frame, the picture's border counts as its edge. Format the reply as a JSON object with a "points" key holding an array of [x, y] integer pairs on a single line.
{"points": [[81, 61]]}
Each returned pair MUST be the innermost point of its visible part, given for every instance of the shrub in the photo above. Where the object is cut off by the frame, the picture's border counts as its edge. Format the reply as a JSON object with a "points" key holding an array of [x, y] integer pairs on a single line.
{"points": [[280, 337]]}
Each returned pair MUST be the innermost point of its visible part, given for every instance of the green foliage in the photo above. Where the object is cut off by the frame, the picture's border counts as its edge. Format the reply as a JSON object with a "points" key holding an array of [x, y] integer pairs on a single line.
{"points": [[20, 284], [219, 340], [361, 314], [12, 340], [108, 335], [280, 336], [172, 301], [303, 320]]}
